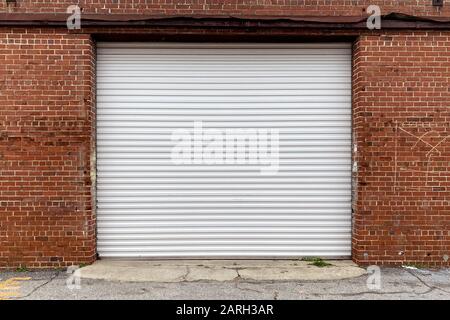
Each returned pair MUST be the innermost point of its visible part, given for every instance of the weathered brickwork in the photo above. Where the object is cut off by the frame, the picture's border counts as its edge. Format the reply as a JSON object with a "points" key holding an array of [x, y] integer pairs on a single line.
{"points": [[401, 125], [402, 133], [46, 122]]}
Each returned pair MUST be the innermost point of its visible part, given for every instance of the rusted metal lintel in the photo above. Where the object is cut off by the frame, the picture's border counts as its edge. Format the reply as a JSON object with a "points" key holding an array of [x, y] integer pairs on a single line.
{"points": [[389, 21]]}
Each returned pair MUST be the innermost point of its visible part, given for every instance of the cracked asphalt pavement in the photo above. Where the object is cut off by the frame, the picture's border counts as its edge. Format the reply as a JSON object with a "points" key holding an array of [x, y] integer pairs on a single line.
{"points": [[396, 283]]}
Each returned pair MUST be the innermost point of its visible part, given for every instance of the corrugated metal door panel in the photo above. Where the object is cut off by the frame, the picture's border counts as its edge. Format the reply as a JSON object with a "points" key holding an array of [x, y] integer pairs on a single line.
{"points": [[150, 207]]}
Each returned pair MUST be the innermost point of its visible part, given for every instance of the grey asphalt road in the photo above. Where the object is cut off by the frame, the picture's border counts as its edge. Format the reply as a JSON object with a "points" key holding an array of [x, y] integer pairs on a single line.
{"points": [[396, 283]]}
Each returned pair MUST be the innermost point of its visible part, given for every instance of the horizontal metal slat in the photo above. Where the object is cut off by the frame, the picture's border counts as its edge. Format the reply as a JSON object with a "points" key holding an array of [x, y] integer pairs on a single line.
{"points": [[220, 87], [217, 235], [260, 180], [219, 45], [223, 51], [345, 203], [222, 211], [315, 98], [269, 242], [200, 174], [233, 229], [207, 79]]}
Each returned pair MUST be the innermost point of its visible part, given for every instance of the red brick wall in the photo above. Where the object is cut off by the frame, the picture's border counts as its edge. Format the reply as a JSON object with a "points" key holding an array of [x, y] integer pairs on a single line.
{"points": [[231, 7], [402, 131], [46, 133]]}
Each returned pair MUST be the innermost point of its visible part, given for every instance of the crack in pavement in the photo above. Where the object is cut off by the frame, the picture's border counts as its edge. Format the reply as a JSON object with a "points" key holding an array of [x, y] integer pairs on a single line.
{"points": [[369, 292], [248, 289], [238, 277], [236, 281], [275, 295], [426, 284], [184, 277], [430, 289], [54, 276]]}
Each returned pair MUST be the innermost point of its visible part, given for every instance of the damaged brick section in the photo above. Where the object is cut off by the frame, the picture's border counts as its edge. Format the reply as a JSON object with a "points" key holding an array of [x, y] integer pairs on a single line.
{"points": [[47, 132]]}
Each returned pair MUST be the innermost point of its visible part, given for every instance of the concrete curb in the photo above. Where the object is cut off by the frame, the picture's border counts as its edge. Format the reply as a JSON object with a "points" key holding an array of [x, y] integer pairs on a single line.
{"points": [[218, 270]]}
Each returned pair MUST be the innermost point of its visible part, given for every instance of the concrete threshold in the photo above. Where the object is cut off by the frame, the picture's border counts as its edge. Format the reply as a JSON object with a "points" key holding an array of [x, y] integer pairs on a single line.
{"points": [[218, 270]]}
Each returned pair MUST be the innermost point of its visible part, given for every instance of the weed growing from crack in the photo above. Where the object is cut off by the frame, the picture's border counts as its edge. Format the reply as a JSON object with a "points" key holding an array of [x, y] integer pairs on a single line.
{"points": [[22, 269], [318, 262]]}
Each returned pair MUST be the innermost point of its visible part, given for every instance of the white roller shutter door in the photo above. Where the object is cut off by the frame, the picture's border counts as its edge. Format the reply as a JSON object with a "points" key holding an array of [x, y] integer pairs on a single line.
{"points": [[149, 206]]}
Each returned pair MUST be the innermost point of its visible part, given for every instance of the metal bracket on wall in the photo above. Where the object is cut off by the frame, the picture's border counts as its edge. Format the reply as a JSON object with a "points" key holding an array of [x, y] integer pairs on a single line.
{"points": [[438, 3]]}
